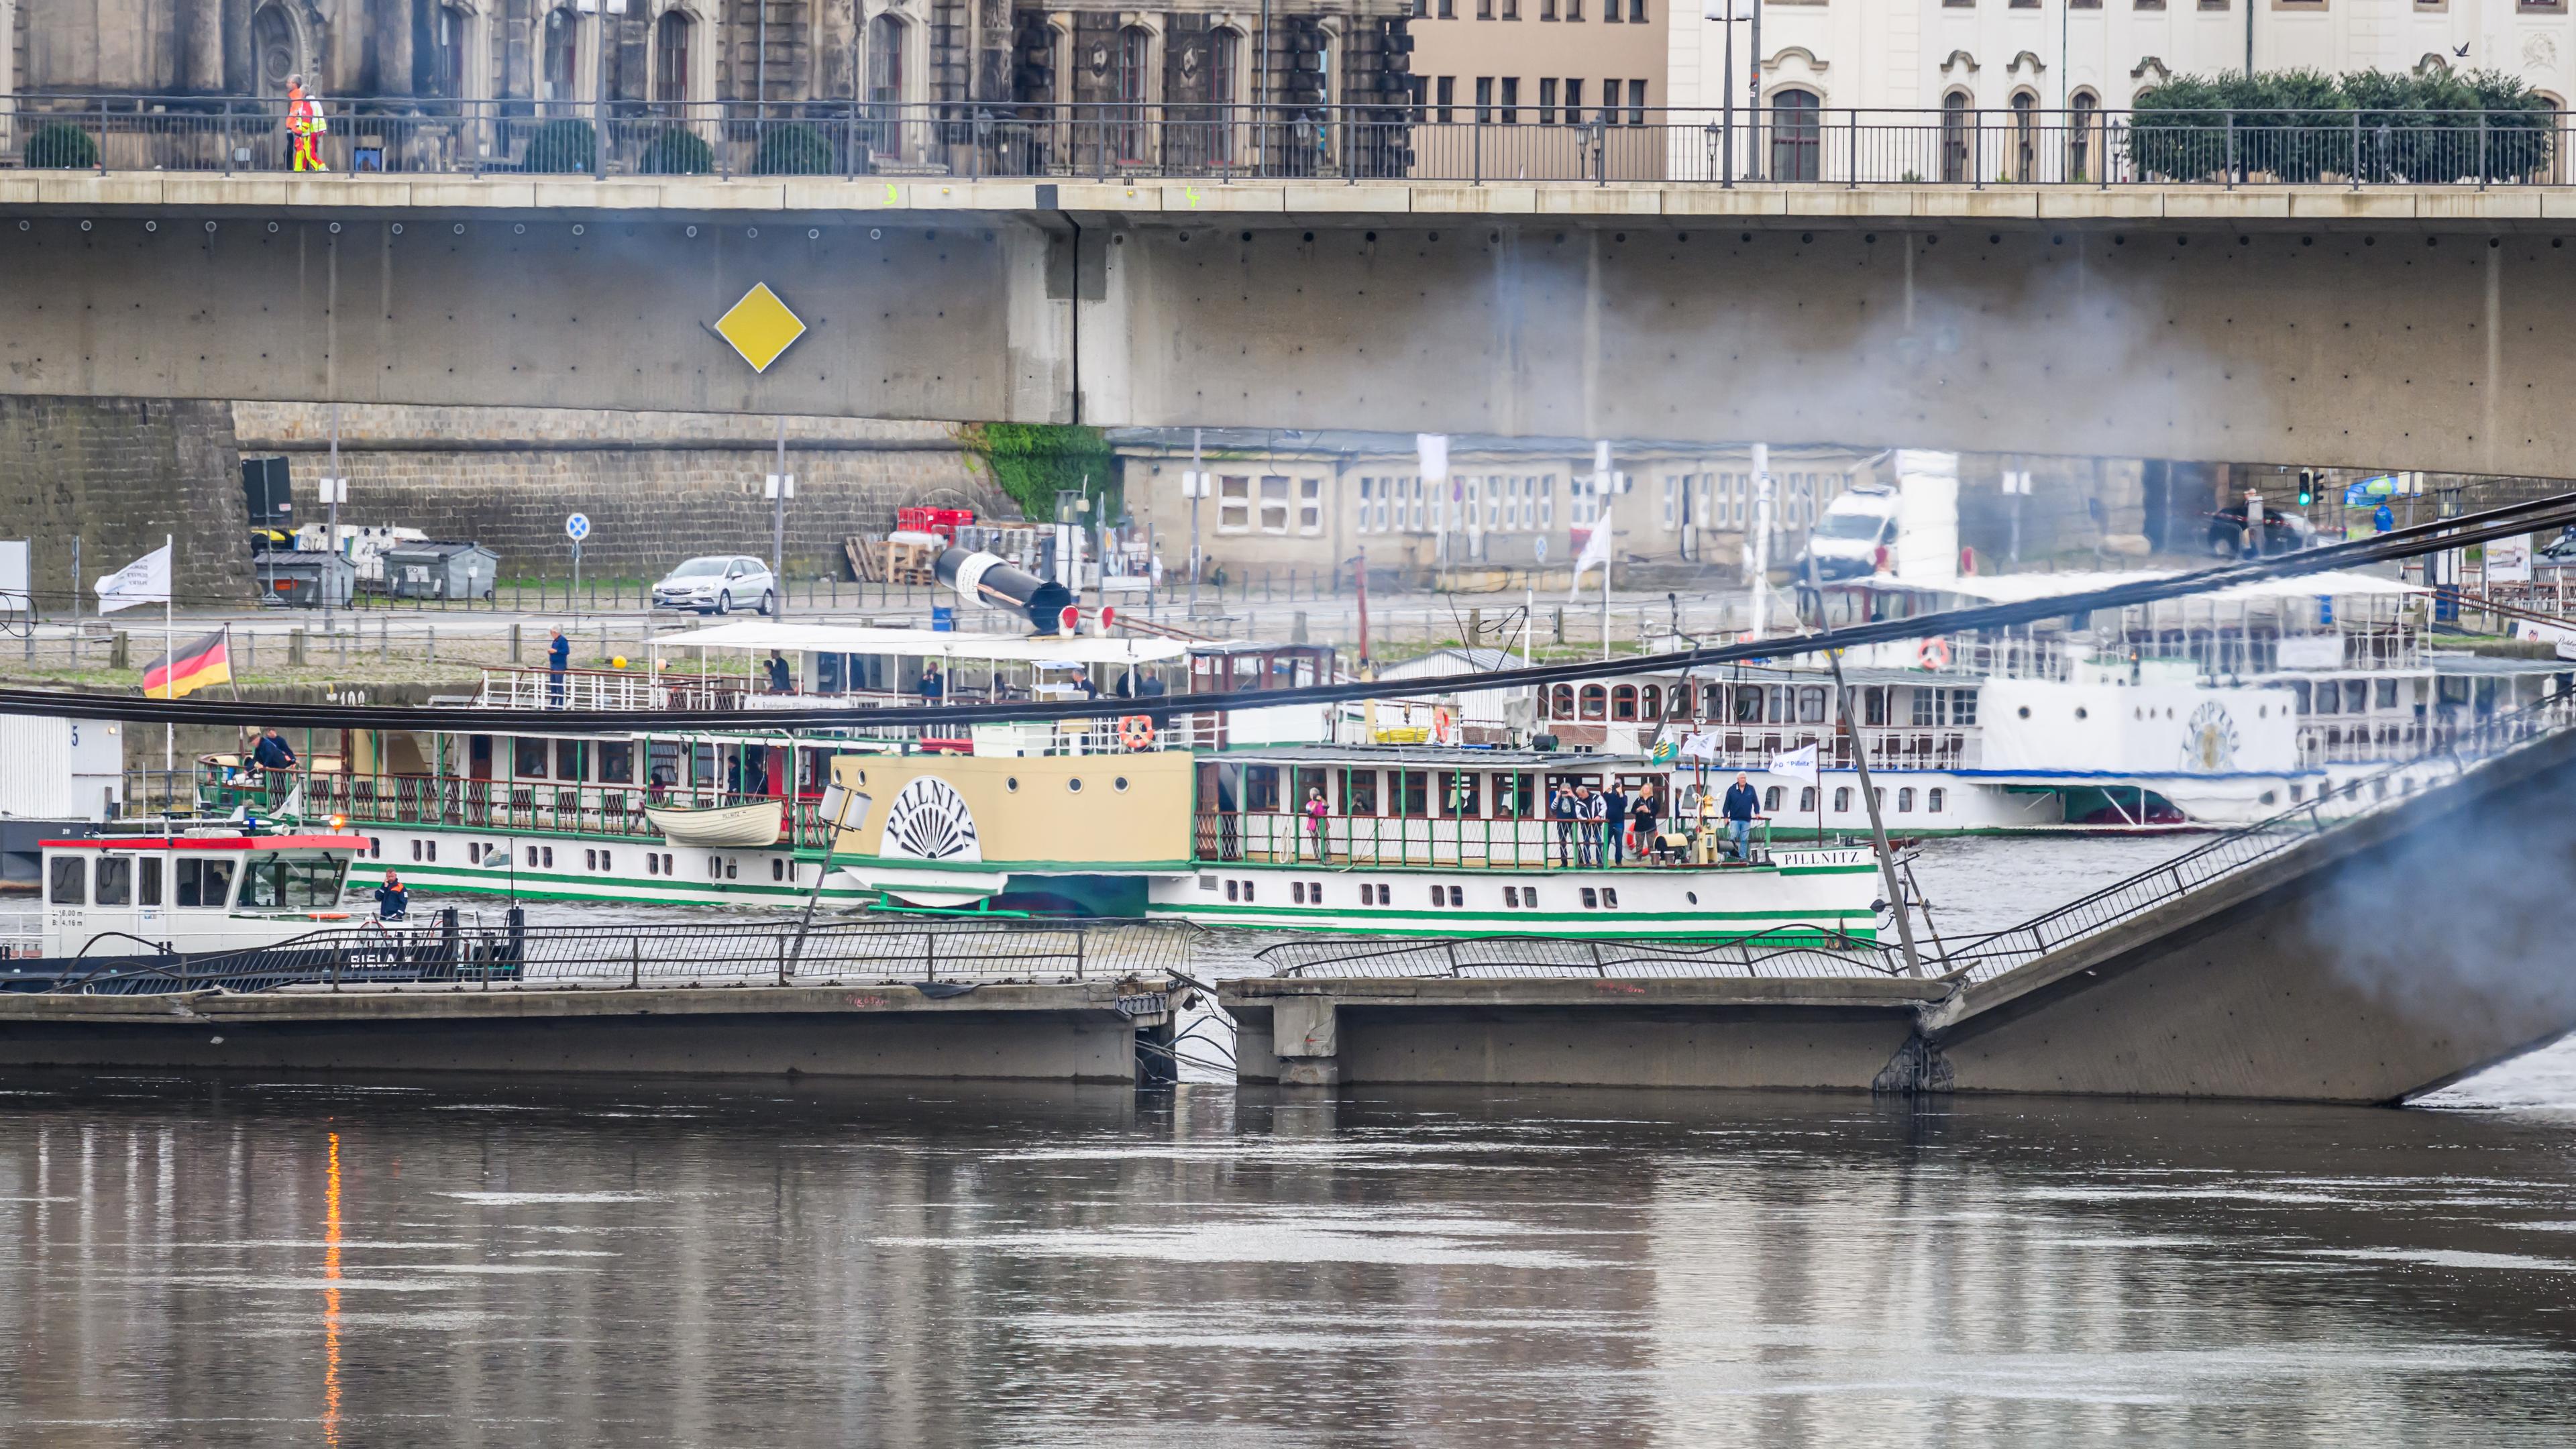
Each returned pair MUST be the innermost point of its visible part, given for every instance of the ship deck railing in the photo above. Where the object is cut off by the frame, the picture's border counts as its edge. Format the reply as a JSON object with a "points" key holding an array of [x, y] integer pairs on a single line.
{"points": [[442, 950], [1788, 951], [1446, 843]]}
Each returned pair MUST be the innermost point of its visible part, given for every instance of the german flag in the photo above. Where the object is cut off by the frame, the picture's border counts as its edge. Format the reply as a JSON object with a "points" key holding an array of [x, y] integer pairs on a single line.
{"points": [[207, 661]]}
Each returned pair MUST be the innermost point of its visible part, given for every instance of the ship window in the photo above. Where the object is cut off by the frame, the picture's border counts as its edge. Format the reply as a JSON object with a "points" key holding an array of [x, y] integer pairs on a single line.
{"points": [[474, 852], [1623, 702], [415, 851], [1807, 799], [1233, 890], [2298, 793], [1842, 799], [1529, 898], [1439, 897], [70, 883], [1512, 897], [568, 761], [433, 853], [1905, 800], [375, 847], [115, 880], [1457, 895], [1591, 899], [1609, 898], [530, 763], [1261, 787], [291, 885], [1811, 705], [652, 862], [2386, 693], [777, 868], [1385, 895], [1651, 702], [1412, 790], [150, 894], [1595, 701], [206, 883], [730, 866], [1247, 890], [1297, 892], [1933, 800], [1771, 800], [617, 762]]}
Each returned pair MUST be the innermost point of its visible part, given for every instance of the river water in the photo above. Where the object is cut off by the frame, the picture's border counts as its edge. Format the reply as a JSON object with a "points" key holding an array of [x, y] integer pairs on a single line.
{"points": [[260, 1260]]}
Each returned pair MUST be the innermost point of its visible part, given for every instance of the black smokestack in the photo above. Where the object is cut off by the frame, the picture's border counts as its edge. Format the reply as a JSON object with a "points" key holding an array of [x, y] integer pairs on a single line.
{"points": [[985, 579]]}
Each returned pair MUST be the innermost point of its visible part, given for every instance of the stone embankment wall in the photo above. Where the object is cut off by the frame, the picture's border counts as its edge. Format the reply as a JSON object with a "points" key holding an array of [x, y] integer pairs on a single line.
{"points": [[657, 487], [119, 475]]}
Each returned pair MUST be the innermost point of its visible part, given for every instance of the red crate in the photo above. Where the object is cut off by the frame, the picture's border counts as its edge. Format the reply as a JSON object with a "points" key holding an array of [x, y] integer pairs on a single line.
{"points": [[942, 521]]}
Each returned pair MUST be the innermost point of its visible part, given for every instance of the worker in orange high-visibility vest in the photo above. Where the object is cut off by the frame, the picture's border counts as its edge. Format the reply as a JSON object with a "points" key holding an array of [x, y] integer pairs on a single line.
{"points": [[304, 126]]}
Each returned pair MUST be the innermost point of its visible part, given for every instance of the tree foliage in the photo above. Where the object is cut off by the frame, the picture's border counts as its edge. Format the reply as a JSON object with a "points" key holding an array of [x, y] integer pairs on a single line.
{"points": [[2305, 125], [792, 149], [562, 146], [61, 147], [676, 152], [1033, 461]]}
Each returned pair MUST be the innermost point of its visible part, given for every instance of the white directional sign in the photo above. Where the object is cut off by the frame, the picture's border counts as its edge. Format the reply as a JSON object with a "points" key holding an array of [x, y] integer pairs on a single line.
{"points": [[577, 526]]}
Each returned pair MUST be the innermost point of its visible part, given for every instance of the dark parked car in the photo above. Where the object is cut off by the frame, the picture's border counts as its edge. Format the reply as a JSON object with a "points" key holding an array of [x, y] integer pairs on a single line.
{"points": [[2282, 532]]}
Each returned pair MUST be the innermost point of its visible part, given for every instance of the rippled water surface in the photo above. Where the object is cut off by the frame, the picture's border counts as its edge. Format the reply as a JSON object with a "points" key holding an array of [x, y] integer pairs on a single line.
{"points": [[279, 1261]]}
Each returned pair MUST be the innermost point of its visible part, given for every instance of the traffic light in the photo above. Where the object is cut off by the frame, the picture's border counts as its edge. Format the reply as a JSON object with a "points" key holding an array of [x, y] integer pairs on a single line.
{"points": [[2307, 487]]}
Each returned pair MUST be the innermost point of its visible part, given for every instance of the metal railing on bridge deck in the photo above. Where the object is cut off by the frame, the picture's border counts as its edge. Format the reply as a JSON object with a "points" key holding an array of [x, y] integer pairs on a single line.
{"points": [[1349, 143], [1782, 951], [496, 949]]}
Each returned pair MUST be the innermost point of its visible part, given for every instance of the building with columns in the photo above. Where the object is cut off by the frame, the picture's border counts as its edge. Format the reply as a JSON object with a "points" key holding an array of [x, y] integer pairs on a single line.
{"points": [[824, 57]]}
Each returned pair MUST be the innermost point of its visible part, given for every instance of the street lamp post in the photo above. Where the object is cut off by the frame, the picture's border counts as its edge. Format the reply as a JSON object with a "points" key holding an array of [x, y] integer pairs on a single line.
{"points": [[1722, 12]]}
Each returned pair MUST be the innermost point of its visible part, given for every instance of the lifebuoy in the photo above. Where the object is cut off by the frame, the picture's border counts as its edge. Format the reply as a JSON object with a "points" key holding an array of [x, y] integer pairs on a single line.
{"points": [[1934, 653], [1136, 731]]}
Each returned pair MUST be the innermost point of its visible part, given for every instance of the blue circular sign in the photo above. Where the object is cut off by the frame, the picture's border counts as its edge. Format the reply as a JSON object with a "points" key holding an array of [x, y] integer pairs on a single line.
{"points": [[577, 527]]}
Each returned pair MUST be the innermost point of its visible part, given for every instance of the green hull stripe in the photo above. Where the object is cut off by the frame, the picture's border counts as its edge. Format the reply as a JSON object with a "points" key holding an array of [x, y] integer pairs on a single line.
{"points": [[1329, 913]]}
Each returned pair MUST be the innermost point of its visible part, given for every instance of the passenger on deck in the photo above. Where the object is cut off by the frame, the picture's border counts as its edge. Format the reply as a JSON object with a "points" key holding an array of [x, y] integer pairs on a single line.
{"points": [[1315, 811], [1614, 825], [1740, 807], [1641, 823], [1567, 811], [782, 680], [393, 902], [934, 686], [1596, 823]]}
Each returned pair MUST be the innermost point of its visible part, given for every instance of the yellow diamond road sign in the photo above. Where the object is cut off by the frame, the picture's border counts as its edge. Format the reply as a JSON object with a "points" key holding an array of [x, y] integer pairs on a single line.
{"points": [[760, 327]]}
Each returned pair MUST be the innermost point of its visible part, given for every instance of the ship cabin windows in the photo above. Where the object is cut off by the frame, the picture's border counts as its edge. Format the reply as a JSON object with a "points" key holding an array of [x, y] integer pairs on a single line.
{"points": [[67, 882], [1807, 800], [1604, 899], [617, 762], [1593, 702], [1771, 800], [205, 884], [528, 760], [1905, 801], [1933, 800], [1623, 702], [1521, 898]]}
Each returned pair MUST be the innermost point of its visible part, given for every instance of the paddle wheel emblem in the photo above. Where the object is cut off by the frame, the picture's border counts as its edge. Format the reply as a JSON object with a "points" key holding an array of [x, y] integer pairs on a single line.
{"points": [[929, 821]]}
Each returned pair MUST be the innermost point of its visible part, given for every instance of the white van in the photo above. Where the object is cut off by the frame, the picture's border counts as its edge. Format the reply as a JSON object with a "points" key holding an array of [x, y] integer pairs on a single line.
{"points": [[1846, 541]]}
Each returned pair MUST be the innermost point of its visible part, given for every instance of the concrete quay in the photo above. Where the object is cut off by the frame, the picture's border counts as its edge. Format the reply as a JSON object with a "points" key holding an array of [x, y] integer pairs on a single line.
{"points": [[1076, 1032], [2383, 958]]}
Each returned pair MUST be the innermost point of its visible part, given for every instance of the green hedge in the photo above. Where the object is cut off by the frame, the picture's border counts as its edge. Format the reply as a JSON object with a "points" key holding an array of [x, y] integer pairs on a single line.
{"points": [[675, 152], [1031, 461], [62, 147], [2304, 125], [793, 149], [562, 146]]}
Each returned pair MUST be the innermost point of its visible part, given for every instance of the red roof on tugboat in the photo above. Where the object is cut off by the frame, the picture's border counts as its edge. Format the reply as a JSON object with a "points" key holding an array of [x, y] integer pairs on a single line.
{"points": [[214, 842]]}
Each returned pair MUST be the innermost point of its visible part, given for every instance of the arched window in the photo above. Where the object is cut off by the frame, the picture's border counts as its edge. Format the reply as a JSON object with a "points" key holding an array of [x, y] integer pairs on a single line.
{"points": [[1771, 800], [1795, 135], [886, 65], [1132, 70], [558, 55], [676, 36], [1596, 701], [439, 48], [1560, 702], [1623, 702], [2086, 111], [274, 49], [2025, 136], [1225, 90], [1651, 703], [1680, 708], [1842, 799], [1955, 126]]}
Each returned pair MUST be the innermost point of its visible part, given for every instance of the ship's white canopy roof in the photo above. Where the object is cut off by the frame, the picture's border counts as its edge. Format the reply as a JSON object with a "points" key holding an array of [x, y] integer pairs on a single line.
{"points": [[2023, 588], [762, 635]]}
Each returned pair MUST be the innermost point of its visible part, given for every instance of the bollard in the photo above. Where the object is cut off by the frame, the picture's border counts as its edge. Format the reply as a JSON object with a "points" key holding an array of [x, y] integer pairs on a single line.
{"points": [[294, 647], [119, 650], [514, 643], [1297, 628]]}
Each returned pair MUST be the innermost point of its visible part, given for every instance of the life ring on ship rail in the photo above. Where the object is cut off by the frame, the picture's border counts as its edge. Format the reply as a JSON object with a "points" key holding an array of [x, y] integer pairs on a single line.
{"points": [[1136, 731], [1934, 653]]}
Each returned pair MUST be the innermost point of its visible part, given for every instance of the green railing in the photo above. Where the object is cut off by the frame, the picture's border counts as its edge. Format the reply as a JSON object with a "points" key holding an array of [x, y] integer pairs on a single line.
{"points": [[614, 812], [1498, 843]]}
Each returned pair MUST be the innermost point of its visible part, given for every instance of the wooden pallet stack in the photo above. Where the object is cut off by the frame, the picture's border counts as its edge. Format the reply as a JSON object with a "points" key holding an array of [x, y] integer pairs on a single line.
{"points": [[910, 564]]}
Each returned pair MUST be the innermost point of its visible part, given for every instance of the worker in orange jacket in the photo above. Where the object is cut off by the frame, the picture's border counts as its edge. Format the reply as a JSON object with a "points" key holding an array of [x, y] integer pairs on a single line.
{"points": [[304, 126]]}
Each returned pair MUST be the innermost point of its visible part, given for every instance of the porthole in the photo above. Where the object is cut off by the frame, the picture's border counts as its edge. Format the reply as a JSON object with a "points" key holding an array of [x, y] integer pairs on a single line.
{"points": [[874, 233], [693, 231], [1119, 784], [1074, 784], [2025, 711], [272, 226], [1691, 896], [335, 227], [210, 226], [577, 229], [84, 226], [1012, 784], [459, 229], [752, 232], [813, 233], [2079, 712]]}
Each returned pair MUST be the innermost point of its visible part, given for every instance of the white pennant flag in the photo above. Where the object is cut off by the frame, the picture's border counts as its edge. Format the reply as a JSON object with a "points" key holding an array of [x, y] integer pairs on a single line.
{"points": [[1701, 746], [1596, 550], [1798, 764], [144, 581]]}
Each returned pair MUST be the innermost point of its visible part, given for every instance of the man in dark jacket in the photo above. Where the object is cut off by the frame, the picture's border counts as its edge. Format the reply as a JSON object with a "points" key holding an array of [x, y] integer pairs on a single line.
{"points": [[558, 659], [276, 761], [1740, 806], [393, 902], [1614, 827], [1568, 813]]}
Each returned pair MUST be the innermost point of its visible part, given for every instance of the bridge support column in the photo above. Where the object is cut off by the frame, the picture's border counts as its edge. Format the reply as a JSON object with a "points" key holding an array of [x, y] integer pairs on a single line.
{"points": [[1306, 1036]]}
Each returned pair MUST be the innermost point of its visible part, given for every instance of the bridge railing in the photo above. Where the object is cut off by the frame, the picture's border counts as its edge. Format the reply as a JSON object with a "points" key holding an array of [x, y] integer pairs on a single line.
{"points": [[1475, 144], [2465, 747], [1782, 951]]}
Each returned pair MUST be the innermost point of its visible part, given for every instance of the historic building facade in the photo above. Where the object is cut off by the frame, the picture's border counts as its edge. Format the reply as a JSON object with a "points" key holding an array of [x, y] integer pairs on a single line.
{"points": [[820, 55]]}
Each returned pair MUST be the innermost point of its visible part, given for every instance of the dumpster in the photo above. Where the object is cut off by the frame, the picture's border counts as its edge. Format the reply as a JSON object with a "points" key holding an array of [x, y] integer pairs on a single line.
{"points": [[435, 570], [299, 579]]}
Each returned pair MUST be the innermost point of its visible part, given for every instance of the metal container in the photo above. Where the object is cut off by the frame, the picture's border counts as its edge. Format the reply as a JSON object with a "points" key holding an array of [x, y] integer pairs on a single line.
{"points": [[298, 579], [434, 570]]}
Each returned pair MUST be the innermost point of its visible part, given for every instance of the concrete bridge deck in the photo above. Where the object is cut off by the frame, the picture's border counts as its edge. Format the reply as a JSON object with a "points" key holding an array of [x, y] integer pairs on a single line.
{"points": [[2387, 327], [2383, 958]]}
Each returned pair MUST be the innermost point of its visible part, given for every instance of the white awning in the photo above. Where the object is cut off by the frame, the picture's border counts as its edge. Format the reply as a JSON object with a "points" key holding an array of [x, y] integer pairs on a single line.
{"points": [[761, 636]]}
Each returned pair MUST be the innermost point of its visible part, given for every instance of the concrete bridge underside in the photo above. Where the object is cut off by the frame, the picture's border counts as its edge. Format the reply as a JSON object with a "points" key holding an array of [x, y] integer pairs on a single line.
{"points": [[2389, 328]]}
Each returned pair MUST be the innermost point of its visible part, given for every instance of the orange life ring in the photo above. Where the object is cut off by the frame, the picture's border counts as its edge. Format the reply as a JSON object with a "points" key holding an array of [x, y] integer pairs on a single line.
{"points": [[1934, 653], [1136, 731]]}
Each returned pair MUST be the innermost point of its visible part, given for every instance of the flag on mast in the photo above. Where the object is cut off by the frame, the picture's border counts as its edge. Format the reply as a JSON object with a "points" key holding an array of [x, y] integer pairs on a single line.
{"points": [[190, 667], [144, 581], [1596, 550]]}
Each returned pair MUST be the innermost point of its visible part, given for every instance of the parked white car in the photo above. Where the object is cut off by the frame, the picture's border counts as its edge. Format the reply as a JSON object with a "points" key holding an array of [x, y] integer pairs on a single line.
{"points": [[718, 584]]}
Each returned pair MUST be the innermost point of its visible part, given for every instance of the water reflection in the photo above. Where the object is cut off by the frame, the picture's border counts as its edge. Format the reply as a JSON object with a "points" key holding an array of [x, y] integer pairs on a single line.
{"points": [[697, 1263]]}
